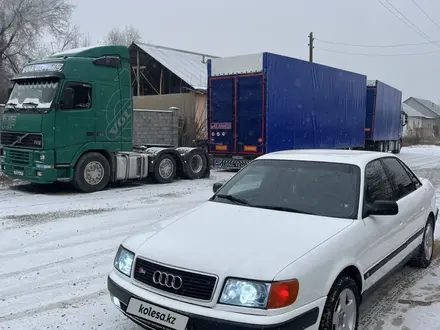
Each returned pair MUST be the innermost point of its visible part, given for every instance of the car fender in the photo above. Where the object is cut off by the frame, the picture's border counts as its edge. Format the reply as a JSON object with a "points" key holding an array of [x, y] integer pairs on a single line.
{"points": [[430, 194], [316, 281]]}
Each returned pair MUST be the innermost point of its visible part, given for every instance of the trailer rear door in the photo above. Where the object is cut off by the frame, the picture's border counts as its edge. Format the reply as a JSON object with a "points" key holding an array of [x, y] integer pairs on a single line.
{"points": [[250, 114], [369, 120], [236, 114], [221, 115]]}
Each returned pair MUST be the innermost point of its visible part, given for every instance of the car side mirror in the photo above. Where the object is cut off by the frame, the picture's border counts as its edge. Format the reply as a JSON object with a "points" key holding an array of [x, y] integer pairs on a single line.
{"points": [[383, 208], [68, 98], [216, 186]]}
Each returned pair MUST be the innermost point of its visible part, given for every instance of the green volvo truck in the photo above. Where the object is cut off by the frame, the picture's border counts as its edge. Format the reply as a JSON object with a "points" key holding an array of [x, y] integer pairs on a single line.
{"points": [[69, 118]]}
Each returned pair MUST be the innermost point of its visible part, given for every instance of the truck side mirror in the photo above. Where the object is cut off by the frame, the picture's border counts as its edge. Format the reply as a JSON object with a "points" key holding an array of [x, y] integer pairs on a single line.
{"points": [[68, 98]]}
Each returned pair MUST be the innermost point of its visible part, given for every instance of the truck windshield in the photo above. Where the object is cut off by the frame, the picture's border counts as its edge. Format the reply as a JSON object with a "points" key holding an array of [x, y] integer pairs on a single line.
{"points": [[33, 94], [317, 188]]}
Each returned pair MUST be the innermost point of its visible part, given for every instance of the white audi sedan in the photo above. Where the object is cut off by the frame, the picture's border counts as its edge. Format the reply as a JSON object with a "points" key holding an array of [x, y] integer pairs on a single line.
{"points": [[292, 241]]}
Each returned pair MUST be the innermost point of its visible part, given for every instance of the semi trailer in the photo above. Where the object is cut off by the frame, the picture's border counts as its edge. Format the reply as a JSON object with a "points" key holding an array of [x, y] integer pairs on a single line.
{"points": [[69, 118], [265, 102]]}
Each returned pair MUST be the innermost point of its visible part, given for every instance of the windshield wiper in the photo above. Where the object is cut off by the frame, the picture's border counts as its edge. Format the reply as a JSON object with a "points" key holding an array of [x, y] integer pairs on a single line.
{"points": [[282, 208], [11, 105], [33, 104], [235, 199]]}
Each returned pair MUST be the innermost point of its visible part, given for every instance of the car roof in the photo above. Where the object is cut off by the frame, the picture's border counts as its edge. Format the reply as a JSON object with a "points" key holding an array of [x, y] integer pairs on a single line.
{"points": [[354, 157]]}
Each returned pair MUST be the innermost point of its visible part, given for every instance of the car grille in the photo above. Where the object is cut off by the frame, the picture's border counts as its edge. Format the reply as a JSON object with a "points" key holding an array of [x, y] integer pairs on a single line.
{"points": [[22, 140], [18, 157], [194, 285]]}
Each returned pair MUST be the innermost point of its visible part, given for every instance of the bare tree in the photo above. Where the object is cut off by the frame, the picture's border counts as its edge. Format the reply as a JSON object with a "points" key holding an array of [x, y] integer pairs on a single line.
{"points": [[124, 37], [72, 38], [24, 24]]}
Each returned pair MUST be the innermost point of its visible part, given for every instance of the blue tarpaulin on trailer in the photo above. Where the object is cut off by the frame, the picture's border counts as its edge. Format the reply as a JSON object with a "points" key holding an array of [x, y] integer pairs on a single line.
{"points": [[384, 105], [284, 103], [313, 106]]}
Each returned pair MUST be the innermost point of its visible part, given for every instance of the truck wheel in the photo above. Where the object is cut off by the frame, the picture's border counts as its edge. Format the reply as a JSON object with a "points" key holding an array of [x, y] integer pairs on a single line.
{"points": [[164, 169], [197, 164], [398, 147], [92, 172]]}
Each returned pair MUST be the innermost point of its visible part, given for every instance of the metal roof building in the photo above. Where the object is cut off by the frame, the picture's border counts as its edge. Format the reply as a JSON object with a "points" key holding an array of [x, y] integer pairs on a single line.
{"points": [[411, 112], [425, 107], [161, 70]]}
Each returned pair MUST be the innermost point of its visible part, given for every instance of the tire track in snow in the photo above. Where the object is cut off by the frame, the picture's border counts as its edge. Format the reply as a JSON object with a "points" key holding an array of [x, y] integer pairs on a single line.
{"points": [[383, 301], [52, 306], [56, 263], [63, 263], [95, 233]]}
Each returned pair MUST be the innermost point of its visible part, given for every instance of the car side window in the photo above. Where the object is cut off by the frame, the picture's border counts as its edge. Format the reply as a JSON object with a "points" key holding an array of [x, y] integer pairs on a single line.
{"points": [[403, 184], [79, 96], [377, 184], [413, 178]]}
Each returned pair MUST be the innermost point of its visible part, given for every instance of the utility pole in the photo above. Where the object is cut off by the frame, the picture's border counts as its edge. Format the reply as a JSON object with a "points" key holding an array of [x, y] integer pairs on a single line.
{"points": [[311, 39]]}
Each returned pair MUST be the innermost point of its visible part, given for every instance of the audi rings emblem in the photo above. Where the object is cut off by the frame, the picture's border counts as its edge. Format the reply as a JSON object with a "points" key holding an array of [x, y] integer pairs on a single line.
{"points": [[167, 280]]}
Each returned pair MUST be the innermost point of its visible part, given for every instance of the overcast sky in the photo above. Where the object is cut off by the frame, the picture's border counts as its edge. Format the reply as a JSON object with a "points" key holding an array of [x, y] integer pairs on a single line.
{"points": [[232, 27]]}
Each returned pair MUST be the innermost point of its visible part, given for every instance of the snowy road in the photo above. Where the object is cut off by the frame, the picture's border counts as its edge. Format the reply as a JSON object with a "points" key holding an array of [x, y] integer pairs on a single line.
{"points": [[56, 249]]}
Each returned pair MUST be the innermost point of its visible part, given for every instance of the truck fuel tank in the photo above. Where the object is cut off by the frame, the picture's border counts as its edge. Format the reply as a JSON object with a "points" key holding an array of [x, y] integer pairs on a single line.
{"points": [[131, 165]]}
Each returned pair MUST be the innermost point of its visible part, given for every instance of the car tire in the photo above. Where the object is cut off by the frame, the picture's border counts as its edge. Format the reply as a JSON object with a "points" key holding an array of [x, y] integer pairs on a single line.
{"points": [[426, 250], [86, 181], [334, 310]]}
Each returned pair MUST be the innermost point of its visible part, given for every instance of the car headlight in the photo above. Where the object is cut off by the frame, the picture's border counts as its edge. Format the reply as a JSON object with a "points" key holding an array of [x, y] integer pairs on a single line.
{"points": [[124, 261], [42, 158], [264, 295]]}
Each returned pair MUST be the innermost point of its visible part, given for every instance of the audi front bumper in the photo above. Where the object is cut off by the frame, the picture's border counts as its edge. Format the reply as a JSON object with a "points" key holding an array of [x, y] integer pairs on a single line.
{"points": [[142, 306]]}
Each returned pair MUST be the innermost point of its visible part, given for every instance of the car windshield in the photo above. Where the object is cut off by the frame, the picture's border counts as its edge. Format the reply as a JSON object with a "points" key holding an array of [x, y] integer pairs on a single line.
{"points": [[36, 94], [318, 188]]}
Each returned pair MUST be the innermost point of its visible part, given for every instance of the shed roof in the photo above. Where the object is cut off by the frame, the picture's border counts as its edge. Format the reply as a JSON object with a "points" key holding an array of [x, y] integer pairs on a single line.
{"points": [[188, 66]]}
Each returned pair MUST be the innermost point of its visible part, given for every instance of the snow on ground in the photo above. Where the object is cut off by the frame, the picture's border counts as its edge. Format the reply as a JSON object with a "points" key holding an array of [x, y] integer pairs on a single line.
{"points": [[57, 247]]}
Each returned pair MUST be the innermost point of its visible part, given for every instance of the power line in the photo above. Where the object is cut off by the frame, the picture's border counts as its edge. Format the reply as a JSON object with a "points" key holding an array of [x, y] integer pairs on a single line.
{"points": [[378, 55], [373, 46], [406, 21], [425, 13]]}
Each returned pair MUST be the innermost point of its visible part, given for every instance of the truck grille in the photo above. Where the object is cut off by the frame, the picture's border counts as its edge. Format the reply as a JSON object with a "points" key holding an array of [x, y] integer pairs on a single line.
{"points": [[22, 140], [194, 285], [18, 157]]}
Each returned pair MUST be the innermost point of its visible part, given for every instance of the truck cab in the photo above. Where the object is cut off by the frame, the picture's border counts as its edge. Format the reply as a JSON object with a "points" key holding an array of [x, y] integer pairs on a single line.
{"points": [[69, 118]]}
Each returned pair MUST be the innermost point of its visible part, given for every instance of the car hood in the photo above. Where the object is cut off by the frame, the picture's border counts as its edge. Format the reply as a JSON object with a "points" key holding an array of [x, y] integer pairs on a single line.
{"points": [[232, 240]]}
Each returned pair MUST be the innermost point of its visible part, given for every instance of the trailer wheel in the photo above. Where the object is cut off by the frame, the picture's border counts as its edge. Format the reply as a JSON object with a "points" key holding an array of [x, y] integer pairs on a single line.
{"points": [[92, 173], [197, 164], [398, 147], [164, 169], [381, 148]]}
